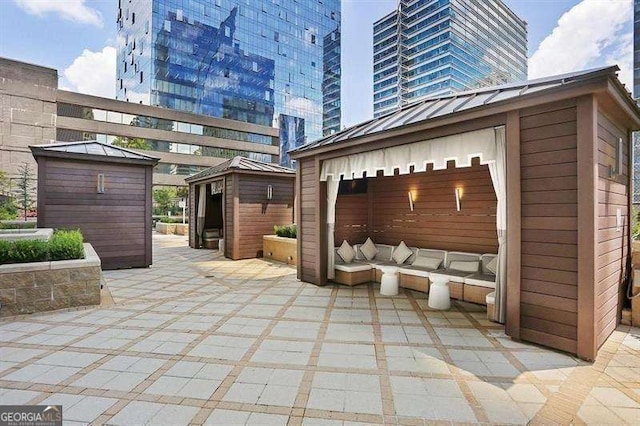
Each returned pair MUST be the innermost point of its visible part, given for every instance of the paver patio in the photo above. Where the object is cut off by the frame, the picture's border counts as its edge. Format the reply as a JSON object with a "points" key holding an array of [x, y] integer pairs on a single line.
{"points": [[201, 339]]}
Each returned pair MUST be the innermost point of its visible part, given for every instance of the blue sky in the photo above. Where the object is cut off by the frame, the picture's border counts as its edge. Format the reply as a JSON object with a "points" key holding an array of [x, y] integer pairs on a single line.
{"points": [[77, 38]]}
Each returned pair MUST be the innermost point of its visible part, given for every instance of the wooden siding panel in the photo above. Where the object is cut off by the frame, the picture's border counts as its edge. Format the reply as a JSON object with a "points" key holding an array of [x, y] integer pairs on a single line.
{"points": [[435, 223], [116, 223], [308, 217], [548, 288], [612, 249], [257, 215]]}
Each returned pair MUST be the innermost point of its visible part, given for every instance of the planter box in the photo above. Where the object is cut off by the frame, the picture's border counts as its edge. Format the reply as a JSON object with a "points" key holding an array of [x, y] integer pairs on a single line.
{"points": [[26, 288], [166, 228], [182, 229], [280, 249]]}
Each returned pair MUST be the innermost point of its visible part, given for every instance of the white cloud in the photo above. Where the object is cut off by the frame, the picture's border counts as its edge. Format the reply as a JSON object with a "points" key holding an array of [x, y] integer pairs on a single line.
{"points": [[582, 36], [622, 56], [71, 10], [93, 73]]}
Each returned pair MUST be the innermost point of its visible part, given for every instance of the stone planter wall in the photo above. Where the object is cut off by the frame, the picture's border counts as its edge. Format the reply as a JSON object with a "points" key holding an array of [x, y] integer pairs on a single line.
{"points": [[182, 229], [43, 234], [26, 288], [280, 249], [166, 228]]}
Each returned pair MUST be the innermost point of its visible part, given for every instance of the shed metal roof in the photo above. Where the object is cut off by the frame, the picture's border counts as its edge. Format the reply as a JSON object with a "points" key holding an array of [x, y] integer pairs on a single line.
{"points": [[240, 164], [93, 149], [455, 103]]}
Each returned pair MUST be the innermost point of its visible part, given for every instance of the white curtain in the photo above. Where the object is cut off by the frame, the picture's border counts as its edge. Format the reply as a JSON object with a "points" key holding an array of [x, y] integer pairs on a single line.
{"points": [[202, 205], [498, 170], [461, 148], [332, 196]]}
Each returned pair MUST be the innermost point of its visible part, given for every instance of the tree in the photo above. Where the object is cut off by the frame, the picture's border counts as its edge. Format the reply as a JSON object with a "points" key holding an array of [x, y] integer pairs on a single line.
{"points": [[4, 183], [24, 191], [182, 192], [164, 198], [131, 143]]}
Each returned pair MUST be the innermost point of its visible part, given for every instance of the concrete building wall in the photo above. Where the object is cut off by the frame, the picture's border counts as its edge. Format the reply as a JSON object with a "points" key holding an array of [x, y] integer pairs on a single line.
{"points": [[29, 106], [27, 117]]}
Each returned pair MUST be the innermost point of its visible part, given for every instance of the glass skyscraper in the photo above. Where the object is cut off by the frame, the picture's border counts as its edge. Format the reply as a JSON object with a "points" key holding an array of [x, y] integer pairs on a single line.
{"points": [[430, 47], [636, 96], [268, 62]]}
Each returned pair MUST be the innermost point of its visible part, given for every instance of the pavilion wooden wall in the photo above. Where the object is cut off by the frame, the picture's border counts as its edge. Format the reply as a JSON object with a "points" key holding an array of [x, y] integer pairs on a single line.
{"points": [[116, 223], [548, 159], [257, 215], [612, 246], [308, 216], [352, 217], [230, 224], [384, 214]]}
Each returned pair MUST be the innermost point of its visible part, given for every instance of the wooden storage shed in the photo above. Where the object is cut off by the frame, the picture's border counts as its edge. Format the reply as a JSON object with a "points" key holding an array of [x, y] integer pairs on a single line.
{"points": [[103, 190], [243, 200], [554, 184]]}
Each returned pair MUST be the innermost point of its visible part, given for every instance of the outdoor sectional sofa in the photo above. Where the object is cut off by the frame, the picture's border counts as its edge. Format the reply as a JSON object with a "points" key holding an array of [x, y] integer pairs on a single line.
{"points": [[471, 286]]}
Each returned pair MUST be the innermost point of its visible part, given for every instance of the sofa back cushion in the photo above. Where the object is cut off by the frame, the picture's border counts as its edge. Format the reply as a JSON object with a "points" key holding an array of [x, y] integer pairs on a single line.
{"points": [[470, 266], [432, 263], [385, 252], [453, 256]]}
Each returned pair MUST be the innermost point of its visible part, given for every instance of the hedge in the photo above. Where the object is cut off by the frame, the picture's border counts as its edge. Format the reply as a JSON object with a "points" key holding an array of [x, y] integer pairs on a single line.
{"points": [[286, 231], [63, 245], [173, 219], [18, 225]]}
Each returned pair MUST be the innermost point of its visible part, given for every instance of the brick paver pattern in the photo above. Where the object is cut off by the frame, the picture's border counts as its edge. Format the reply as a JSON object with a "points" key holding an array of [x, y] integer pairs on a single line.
{"points": [[200, 339]]}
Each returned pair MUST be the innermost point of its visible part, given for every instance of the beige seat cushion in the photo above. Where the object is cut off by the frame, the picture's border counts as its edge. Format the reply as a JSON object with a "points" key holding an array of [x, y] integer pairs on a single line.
{"points": [[427, 262]]}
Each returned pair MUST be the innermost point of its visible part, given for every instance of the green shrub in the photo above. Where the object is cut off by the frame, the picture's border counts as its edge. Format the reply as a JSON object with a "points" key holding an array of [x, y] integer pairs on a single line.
{"points": [[63, 245], [173, 219], [5, 247], [24, 251], [66, 245], [8, 211], [18, 225], [286, 231]]}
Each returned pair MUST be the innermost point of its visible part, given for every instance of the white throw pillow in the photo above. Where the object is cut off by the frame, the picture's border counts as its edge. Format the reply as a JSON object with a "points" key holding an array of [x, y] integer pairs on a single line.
{"points": [[346, 252], [401, 253], [491, 266], [427, 262], [464, 265], [369, 249]]}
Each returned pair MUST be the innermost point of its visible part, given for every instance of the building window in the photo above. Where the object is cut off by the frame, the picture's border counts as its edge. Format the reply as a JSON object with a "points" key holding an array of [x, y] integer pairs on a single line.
{"points": [[227, 32], [133, 18], [141, 77], [254, 66], [167, 26], [313, 39], [179, 14], [226, 72]]}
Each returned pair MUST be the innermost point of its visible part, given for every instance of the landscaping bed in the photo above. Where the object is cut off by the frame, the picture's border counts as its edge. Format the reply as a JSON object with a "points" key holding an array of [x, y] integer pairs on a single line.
{"points": [[282, 247]]}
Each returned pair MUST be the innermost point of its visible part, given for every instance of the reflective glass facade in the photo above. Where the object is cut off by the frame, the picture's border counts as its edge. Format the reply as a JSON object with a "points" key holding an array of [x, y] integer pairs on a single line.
{"points": [[257, 61], [432, 47]]}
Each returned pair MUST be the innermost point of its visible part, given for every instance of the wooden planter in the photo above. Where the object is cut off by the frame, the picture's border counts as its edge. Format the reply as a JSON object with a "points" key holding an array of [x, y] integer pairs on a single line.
{"points": [[166, 228], [182, 229], [280, 249]]}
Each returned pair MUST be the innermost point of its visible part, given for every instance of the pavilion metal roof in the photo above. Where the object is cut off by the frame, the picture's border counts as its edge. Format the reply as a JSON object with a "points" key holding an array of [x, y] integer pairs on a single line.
{"points": [[93, 149], [240, 164], [454, 103]]}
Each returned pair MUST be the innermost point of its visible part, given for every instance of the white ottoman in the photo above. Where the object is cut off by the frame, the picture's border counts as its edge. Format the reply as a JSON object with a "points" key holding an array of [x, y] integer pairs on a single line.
{"points": [[389, 280], [439, 296]]}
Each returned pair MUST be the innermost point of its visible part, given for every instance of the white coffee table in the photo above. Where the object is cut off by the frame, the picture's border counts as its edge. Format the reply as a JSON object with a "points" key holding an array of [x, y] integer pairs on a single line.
{"points": [[439, 295], [389, 280]]}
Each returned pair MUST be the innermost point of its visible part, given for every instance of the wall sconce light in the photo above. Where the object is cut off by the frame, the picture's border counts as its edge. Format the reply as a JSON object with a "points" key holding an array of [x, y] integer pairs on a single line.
{"points": [[269, 192], [410, 200], [458, 192], [100, 189]]}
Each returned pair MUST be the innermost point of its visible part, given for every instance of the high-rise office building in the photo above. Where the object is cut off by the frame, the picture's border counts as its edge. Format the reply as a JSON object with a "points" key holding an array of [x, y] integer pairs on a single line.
{"points": [[430, 47], [268, 62]]}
